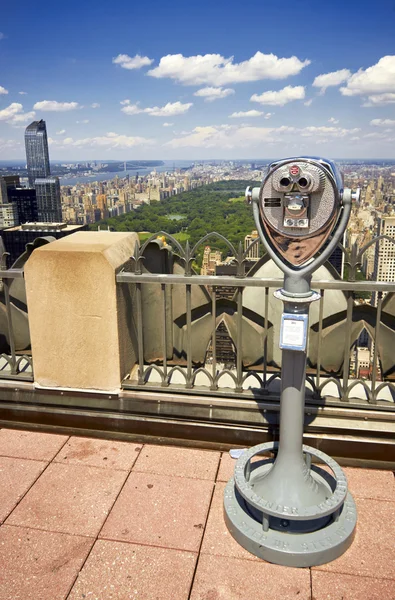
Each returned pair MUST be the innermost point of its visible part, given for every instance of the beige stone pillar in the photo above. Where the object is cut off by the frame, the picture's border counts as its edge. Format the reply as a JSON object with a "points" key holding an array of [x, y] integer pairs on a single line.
{"points": [[79, 318]]}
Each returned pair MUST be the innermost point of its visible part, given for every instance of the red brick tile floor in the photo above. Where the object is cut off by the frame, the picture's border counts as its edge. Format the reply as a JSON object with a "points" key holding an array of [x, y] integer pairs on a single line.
{"points": [[92, 519]]}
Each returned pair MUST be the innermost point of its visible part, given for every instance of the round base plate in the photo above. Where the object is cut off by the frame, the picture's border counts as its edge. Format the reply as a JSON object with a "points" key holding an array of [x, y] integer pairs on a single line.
{"points": [[282, 548]]}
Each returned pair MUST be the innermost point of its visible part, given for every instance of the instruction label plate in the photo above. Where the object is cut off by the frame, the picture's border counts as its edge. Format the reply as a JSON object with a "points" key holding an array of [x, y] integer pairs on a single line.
{"points": [[293, 332]]}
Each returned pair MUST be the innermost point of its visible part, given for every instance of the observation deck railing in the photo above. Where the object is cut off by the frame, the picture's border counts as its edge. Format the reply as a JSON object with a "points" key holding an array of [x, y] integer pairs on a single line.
{"points": [[165, 368], [15, 364], [171, 365]]}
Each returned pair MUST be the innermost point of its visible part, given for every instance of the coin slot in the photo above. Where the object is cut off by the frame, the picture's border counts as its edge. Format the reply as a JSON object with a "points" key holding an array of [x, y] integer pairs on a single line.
{"points": [[272, 202]]}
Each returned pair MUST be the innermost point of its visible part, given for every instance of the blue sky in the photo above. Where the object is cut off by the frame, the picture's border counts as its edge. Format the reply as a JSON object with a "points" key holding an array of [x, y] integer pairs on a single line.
{"points": [[199, 79]]}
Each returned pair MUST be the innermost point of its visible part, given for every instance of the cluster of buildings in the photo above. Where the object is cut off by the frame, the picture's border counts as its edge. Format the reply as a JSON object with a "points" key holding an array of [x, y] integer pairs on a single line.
{"points": [[214, 264], [31, 209], [40, 199], [375, 216], [372, 218]]}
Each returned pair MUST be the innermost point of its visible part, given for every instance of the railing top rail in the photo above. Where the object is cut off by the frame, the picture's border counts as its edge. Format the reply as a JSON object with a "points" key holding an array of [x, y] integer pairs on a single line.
{"points": [[232, 281], [11, 273]]}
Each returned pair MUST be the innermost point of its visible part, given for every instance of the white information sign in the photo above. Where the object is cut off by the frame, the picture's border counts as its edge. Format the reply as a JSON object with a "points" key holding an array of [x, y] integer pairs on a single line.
{"points": [[293, 334]]}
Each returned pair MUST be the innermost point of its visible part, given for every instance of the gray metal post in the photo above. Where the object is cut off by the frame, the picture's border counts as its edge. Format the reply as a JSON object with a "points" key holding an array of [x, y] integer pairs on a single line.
{"points": [[292, 399], [292, 404]]}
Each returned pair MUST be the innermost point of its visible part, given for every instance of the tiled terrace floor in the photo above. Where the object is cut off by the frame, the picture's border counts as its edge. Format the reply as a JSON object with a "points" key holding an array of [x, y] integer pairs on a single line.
{"points": [[92, 519]]}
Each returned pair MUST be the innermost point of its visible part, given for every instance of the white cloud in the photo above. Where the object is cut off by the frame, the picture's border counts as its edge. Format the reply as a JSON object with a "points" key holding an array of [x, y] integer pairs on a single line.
{"points": [[54, 106], [2, 36], [127, 62], [336, 132], [22, 118], [214, 69], [95, 105], [287, 94], [380, 100], [247, 113], [61, 132], [333, 120], [222, 136], [125, 102], [331, 79], [377, 135], [377, 79], [14, 115], [3, 90], [109, 140], [383, 122], [212, 93], [245, 136], [169, 110], [23, 93], [84, 121], [308, 102], [7, 144], [168, 124]]}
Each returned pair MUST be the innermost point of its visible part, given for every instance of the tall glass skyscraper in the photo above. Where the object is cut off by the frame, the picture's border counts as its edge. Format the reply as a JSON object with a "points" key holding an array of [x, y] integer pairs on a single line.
{"points": [[37, 156], [47, 188]]}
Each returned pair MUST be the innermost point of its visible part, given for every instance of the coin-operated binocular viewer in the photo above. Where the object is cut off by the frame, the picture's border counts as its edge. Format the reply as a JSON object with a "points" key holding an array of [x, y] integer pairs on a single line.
{"points": [[284, 508]]}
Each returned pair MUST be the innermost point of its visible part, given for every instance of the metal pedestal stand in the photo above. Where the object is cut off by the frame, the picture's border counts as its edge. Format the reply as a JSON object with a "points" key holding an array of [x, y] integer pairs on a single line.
{"points": [[283, 508]]}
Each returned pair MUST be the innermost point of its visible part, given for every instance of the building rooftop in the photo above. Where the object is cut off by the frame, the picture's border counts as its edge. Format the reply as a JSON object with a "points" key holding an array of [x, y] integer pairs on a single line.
{"points": [[101, 519], [44, 227], [36, 126]]}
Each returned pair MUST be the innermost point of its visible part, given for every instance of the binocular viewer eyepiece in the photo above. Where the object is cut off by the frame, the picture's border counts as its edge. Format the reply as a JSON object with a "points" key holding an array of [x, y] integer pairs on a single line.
{"points": [[300, 202]]}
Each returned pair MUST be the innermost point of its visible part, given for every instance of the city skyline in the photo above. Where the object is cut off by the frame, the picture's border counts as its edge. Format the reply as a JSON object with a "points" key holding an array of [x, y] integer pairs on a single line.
{"points": [[201, 84]]}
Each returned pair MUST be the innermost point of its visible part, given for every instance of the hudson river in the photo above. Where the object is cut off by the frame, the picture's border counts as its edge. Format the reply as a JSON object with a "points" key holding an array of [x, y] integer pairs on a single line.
{"points": [[167, 166]]}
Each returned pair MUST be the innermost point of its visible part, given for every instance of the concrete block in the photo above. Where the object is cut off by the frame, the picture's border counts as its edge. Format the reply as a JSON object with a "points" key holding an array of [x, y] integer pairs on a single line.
{"points": [[80, 321]]}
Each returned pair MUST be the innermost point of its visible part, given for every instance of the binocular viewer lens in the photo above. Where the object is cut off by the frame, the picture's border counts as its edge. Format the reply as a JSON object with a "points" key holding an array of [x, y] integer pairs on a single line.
{"points": [[301, 183]]}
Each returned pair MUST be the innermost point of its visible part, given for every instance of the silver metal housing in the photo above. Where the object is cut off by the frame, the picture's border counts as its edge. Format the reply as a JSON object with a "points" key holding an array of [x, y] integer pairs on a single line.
{"points": [[322, 193]]}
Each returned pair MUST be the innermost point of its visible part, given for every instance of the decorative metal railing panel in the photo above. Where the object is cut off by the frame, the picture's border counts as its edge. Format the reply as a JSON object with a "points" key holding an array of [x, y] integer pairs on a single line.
{"points": [[177, 316], [15, 356]]}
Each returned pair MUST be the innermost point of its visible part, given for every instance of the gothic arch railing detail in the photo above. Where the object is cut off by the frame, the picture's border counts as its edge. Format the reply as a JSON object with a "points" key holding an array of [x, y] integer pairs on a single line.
{"points": [[248, 332]]}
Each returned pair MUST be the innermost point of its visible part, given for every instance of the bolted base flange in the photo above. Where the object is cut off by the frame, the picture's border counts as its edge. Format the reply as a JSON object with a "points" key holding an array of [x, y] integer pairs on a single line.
{"points": [[302, 538]]}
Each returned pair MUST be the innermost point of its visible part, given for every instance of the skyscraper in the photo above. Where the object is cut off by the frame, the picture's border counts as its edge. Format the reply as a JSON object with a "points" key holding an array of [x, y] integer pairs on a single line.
{"points": [[8, 210], [47, 187], [3, 191], [37, 156], [384, 257], [26, 202], [253, 254], [48, 199]]}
